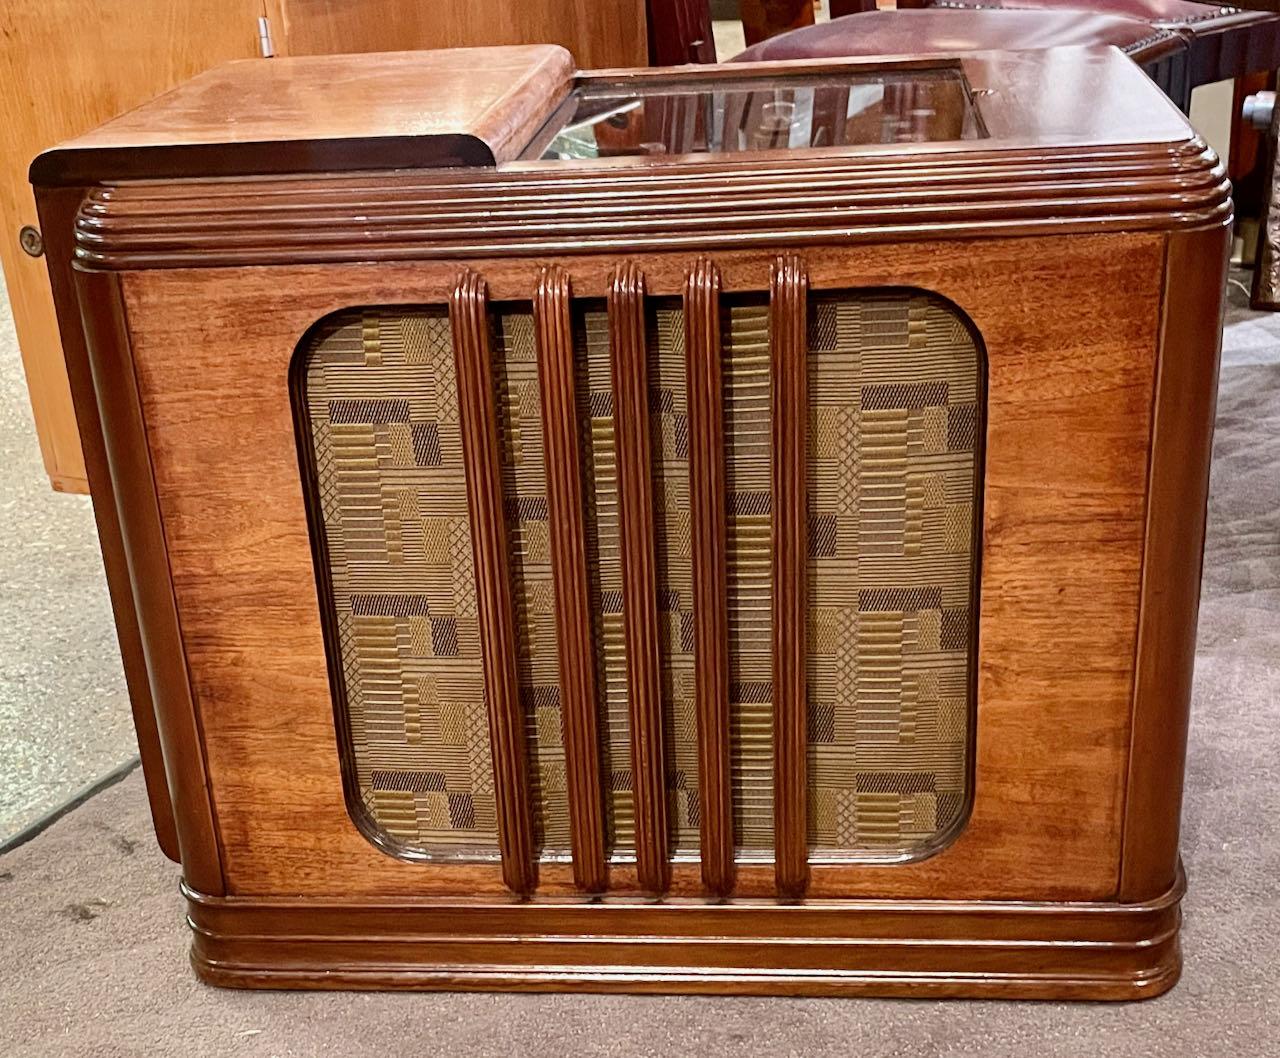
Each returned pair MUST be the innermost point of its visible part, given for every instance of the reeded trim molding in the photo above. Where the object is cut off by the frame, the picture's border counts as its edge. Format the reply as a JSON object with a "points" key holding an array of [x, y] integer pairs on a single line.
{"points": [[553, 324], [692, 206], [478, 418]]}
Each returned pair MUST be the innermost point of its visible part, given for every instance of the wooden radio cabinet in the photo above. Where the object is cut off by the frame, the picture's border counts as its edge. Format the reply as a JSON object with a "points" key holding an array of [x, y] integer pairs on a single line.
{"points": [[715, 529]]}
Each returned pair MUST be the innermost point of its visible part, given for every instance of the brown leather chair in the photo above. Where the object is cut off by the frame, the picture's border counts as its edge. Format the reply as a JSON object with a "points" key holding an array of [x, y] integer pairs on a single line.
{"points": [[1180, 44], [1161, 53], [1222, 41]]}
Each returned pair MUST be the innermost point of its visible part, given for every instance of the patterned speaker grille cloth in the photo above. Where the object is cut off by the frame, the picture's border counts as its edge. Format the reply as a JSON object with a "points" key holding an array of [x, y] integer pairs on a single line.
{"points": [[749, 507], [894, 416], [383, 405], [893, 420]]}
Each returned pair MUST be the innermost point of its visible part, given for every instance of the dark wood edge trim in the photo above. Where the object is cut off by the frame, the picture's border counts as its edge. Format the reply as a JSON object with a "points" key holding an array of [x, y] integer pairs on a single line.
{"points": [[732, 918], [1148, 983], [57, 210], [1098, 950], [142, 537], [709, 241], [469, 319], [705, 238], [129, 217], [1182, 421], [553, 324], [207, 223], [78, 166], [629, 361], [1141, 169], [709, 527], [789, 380], [622, 77]]}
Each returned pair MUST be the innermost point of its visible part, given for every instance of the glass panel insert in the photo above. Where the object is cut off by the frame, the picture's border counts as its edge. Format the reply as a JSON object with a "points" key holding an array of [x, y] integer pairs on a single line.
{"points": [[753, 114]]}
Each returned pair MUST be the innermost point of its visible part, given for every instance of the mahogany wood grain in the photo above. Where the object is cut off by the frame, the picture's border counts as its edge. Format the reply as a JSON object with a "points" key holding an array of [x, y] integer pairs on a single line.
{"points": [[478, 422], [1173, 552], [159, 623], [344, 111], [944, 947], [695, 207], [1064, 854], [1069, 347], [553, 323], [629, 361], [57, 209], [709, 529], [789, 404]]}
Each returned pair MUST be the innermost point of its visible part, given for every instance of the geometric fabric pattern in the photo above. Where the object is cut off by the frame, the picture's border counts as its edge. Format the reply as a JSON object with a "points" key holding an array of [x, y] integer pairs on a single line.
{"points": [[524, 486], [894, 423], [594, 391], [749, 512], [669, 421], [383, 408]]}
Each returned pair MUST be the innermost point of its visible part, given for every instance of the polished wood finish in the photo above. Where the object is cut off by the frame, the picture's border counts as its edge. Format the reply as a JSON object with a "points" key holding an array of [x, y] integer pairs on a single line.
{"points": [[57, 209], [345, 111], [1044, 825], [629, 360], [708, 527], [1060, 879], [789, 383], [597, 32], [505, 214], [553, 321], [1177, 497], [941, 948], [142, 537], [478, 419]]}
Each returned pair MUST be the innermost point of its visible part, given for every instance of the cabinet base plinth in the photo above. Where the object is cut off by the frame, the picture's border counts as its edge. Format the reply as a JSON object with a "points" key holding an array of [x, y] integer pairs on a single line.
{"points": [[989, 949]]}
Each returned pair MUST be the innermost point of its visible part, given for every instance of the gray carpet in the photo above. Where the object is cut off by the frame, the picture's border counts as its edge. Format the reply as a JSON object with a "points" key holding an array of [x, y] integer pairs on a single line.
{"points": [[94, 951], [64, 710]]}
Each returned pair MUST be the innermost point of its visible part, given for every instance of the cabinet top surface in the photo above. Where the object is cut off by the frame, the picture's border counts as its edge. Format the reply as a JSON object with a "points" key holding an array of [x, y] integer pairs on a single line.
{"points": [[480, 101], [507, 151], [525, 105]]}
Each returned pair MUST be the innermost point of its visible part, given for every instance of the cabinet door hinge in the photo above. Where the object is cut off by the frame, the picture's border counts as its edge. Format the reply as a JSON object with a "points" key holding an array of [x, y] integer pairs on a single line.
{"points": [[265, 43]]}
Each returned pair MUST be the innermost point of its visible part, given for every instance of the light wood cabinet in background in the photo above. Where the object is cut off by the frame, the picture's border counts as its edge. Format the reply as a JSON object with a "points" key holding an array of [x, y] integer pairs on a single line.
{"points": [[68, 65], [600, 33]]}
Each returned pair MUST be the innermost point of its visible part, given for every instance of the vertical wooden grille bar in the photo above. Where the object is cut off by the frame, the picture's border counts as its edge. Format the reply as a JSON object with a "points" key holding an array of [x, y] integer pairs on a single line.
{"points": [[710, 578], [469, 318], [626, 305], [788, 310], [553, 326]]}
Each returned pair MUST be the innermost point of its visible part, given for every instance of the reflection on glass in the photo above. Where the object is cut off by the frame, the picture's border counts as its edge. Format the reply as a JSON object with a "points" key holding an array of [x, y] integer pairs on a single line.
{"points": [[754, 114]]}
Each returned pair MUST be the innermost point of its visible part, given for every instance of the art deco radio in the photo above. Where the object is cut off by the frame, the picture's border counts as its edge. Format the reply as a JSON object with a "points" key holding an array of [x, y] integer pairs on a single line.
{"points": [[717, 529]]}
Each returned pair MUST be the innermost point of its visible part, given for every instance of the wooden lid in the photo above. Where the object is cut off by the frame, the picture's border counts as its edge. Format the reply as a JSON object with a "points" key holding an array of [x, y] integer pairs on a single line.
{"points": [[413, 109]]}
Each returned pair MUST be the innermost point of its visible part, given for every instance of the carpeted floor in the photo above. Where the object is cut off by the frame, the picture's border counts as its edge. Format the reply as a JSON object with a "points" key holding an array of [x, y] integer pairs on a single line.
{"points": [[93, 950], [64, 710]]}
